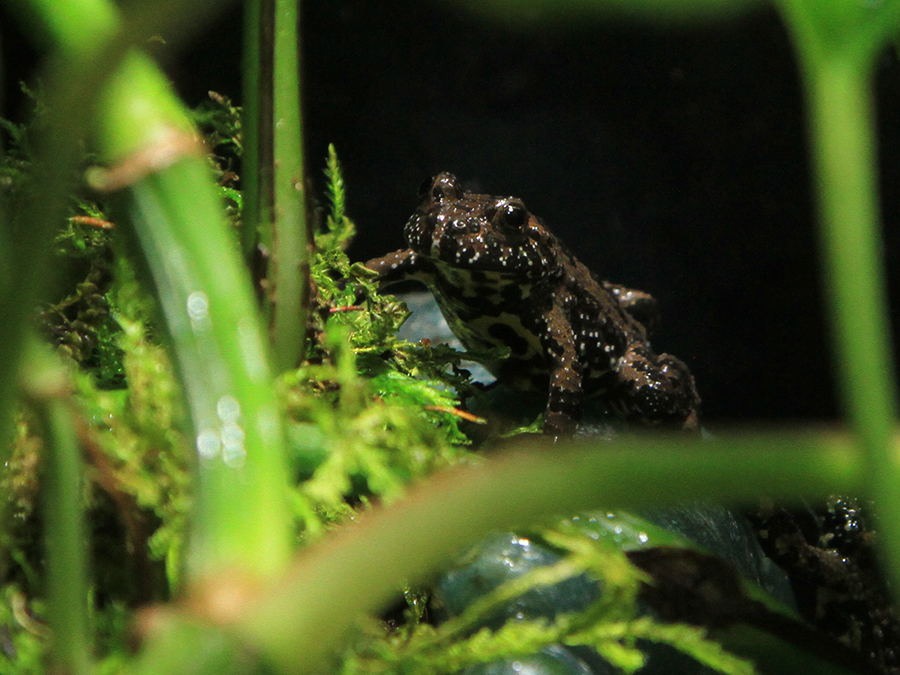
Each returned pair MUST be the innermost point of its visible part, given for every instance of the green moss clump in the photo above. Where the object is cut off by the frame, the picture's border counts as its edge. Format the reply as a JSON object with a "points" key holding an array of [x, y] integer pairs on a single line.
{"points": [[220, 121], [369, 412]]}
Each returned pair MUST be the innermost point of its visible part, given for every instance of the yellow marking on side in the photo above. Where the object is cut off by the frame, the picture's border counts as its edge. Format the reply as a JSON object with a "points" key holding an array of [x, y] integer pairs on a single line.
{"points": [[478, 329]]}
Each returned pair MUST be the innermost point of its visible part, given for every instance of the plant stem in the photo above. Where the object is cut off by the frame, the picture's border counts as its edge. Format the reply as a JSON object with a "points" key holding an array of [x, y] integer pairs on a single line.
{"points": [[67, 570], [309, 615], [257, 208], [67, 588], [841, 114], [241, 518], [274, 184], [291, 257], [73, 76], [837, 42], [841, 111]]}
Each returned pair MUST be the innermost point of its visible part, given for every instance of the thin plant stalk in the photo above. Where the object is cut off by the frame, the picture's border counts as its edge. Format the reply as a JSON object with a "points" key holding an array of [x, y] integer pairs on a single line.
{"points": [[310, 615], [291, 254], [304, 621], [838, 42], [257, 207], [274, 184], [67, 587], [74, 73], [65, 540], [841, 107]]}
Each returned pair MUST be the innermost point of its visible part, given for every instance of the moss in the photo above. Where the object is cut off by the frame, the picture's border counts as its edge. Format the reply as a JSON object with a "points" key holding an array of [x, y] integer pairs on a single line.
{"points": [[220, 121], [368, 413]]}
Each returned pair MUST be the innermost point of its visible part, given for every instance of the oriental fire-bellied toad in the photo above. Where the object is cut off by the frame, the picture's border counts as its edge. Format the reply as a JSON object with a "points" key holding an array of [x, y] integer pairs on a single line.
{"points": [[502, 278]]}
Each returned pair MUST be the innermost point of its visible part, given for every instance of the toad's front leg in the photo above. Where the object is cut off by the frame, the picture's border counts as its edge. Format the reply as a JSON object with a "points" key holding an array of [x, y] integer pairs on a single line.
{"points": [[565, 398], [399, 265]]}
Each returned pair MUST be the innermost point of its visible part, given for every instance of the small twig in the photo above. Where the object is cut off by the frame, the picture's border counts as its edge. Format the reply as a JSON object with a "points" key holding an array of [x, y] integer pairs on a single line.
{"points": [[456, 411], [150, 159], [93, 222], [24, 617]]}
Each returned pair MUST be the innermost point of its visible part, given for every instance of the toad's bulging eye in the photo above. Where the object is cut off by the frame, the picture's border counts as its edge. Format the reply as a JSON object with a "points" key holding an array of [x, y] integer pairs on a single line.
{"points": [[445, 188], [510, 216]]}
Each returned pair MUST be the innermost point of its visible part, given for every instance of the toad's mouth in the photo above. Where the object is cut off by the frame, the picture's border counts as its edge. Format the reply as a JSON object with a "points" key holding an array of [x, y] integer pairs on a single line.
{"points": [[487, 254]]}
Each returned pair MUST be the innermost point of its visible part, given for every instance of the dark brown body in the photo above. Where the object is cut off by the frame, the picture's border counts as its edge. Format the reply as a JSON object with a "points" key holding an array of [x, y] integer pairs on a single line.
{"points": [[502, 278]]}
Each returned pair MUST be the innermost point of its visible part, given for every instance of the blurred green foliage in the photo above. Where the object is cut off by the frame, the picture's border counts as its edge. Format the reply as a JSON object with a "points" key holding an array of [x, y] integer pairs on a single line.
{"points": [[367, 414]]}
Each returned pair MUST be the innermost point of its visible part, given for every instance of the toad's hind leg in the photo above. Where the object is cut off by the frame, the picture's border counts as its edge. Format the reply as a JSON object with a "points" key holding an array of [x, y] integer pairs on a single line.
{"points": [[656, 390]]}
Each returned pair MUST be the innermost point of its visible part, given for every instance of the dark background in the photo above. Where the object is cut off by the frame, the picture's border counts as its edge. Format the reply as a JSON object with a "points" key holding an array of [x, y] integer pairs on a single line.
{"points": [[670, 160]]}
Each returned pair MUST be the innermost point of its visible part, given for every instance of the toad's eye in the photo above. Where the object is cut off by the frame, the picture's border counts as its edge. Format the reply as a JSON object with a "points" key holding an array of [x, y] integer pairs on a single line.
{"points": [[444, 188], [510, 216]]}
